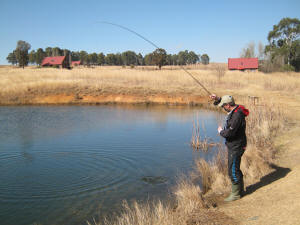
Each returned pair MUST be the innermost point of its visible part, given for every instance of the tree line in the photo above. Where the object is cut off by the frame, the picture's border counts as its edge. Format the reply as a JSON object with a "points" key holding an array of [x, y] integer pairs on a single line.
{"points": [[20, 56]]}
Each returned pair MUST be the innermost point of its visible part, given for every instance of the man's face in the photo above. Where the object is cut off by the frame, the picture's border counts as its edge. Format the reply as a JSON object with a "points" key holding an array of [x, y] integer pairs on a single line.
{"points": [[226, 107]]}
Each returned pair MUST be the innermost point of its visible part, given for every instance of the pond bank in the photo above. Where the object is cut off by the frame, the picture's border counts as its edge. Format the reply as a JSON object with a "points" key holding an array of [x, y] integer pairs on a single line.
{"points": [[82, 99]]}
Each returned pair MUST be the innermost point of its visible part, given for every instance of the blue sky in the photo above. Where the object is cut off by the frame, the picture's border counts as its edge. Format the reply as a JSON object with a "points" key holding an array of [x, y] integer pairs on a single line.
{"points": [[219, 28]]}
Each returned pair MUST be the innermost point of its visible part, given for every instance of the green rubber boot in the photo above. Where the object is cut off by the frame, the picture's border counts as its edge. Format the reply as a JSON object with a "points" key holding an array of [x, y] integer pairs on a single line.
{"points": [[235, 193]]}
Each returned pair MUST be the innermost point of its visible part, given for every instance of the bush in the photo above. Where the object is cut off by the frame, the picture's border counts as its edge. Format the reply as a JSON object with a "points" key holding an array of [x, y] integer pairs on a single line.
{"points": [[287, 68]]}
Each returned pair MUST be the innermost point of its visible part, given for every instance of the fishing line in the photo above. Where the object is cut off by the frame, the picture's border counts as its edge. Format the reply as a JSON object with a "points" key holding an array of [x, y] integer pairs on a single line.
{"points": [[132, 31]]}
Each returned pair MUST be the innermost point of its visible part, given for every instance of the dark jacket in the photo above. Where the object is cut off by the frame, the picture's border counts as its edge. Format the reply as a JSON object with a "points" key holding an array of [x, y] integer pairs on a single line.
{"points": [[234, 130]]}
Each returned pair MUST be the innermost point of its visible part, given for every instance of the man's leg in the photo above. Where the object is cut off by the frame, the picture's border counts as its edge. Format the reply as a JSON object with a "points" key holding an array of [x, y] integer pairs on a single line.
{"points": [[235, 174]]}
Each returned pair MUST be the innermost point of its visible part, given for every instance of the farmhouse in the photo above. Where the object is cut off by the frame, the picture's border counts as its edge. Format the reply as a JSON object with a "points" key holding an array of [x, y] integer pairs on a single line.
{"points": [[243, 64], [56, 61]]}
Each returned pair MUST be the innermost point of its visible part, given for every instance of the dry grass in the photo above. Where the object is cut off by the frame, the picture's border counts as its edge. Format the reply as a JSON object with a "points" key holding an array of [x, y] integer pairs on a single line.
{"points": [[220, 70], [143, 214], [18, 84], [264, 122]]}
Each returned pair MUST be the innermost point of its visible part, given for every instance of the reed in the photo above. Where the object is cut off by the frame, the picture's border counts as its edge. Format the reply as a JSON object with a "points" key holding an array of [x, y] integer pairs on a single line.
{"points": [[199, 140]]}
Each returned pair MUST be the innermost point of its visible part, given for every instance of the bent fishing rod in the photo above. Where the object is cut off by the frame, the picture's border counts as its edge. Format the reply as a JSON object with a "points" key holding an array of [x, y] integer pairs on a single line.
{"points": [[132, 31]]}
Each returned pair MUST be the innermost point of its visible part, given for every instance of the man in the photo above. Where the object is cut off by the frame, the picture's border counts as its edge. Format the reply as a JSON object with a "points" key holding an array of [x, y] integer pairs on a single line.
{"points": [[234, 132]]}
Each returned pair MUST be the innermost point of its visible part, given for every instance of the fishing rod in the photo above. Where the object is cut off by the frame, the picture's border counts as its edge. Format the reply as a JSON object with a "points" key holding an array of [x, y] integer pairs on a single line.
{"points": [[132, 31]]}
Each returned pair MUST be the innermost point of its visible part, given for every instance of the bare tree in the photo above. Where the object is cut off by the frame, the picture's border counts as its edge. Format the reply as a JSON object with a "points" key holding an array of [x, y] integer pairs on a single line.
{"points": [[261, 51], [248, 51]]}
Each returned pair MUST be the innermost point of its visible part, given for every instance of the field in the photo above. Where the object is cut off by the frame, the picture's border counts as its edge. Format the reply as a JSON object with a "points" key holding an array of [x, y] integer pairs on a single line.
{"points": [[272, 131], [139, 85]]}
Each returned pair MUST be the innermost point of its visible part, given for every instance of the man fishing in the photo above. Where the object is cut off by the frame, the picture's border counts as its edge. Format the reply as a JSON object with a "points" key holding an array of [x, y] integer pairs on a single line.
{"points": [[234, 132]]}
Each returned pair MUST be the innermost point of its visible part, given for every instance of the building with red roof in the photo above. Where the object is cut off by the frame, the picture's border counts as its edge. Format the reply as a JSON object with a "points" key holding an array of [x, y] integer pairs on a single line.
{"points": [[59, 61], [243, 63]]}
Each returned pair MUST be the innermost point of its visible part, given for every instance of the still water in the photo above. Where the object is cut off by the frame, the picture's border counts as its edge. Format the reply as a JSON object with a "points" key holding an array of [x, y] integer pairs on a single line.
{"points": [[69, 164]]}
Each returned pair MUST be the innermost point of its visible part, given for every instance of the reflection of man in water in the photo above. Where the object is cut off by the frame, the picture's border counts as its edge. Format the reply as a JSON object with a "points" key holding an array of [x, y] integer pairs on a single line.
{"points": [[234, 132]]}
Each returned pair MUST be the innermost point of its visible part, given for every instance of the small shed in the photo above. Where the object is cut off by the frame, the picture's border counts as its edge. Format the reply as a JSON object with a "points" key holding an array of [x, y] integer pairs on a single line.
{"points": [[59, 61], [76, 63], [243, 64]]}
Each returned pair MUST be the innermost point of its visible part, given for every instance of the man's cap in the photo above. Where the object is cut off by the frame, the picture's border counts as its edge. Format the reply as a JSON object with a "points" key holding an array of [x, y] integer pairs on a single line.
{"points": [[226, 99]]}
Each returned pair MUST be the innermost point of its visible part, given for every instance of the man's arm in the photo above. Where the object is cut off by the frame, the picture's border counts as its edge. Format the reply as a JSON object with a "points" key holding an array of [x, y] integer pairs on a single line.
{"points": [[232, 130], [216, 99]]}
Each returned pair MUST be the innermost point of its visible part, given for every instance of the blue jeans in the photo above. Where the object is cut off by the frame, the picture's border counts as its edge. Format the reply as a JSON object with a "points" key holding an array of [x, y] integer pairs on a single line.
{"points": [[234, 162]]}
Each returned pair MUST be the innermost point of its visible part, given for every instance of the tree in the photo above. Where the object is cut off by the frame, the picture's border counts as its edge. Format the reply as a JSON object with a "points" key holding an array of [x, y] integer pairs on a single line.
{"points": [[129, 58], [48, 51], [11, 58], [149, 59], [57, 51], [110, 59], [281, 40], [175, 59], [40, 55], [159, 57], [192, 58], [101, 58], [169, 60], [205, 59], [260, 51], [118, 59], [248, 51], [83, 55], [183, 57], [22, 53], [93, 58], [140, 59], [295, 51], [32, 57]]}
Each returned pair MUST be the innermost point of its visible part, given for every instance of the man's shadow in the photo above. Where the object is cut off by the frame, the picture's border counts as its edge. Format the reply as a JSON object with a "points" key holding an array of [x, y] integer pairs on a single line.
{"points": [[279, 173]]}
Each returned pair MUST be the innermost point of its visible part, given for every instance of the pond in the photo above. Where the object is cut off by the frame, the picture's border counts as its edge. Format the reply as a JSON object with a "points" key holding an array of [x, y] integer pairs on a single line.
{"points": [[70, 164]]}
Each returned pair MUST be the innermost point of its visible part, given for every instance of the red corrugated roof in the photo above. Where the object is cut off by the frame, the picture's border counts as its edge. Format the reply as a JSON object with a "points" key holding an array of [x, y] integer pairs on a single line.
{"points": [[242, 63], [56, 60]]}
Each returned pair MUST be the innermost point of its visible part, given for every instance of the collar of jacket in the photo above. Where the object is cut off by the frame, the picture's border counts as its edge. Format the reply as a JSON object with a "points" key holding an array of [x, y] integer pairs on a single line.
{"points": [[233, 110]]}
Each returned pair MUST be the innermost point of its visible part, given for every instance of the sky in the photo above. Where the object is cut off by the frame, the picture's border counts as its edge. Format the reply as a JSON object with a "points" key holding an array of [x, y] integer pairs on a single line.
{"points": [[218, 28]]}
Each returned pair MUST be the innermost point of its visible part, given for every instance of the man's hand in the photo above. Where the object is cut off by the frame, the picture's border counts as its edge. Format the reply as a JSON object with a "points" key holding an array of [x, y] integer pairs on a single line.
{"points": [[214, 97], [220, 129]]}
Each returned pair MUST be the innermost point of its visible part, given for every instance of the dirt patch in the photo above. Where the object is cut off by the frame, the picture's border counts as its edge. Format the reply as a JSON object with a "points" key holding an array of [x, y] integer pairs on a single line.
{"points": [[211, 217]]}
